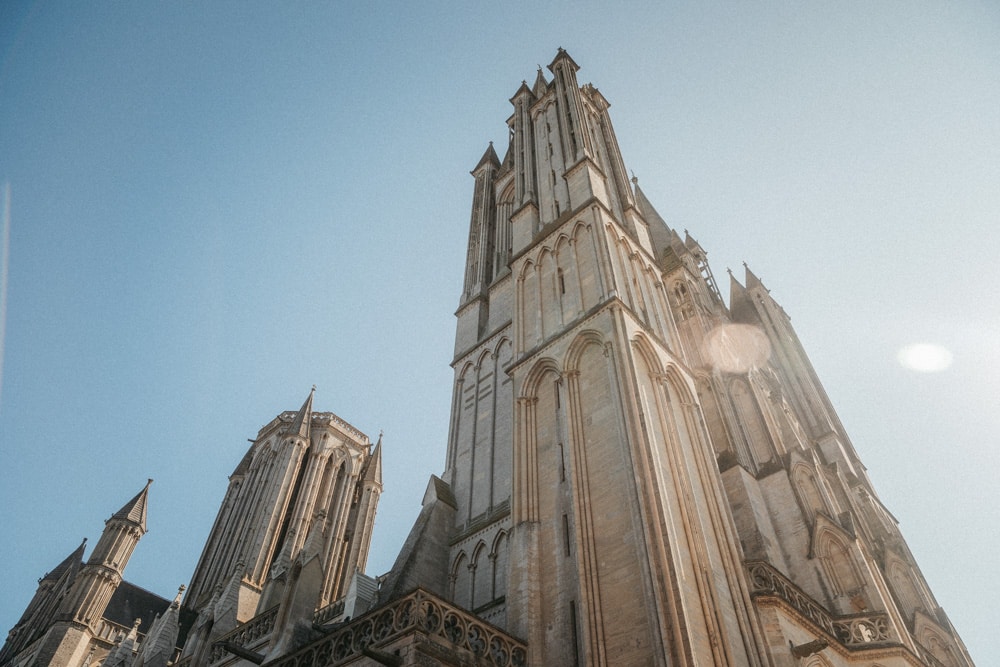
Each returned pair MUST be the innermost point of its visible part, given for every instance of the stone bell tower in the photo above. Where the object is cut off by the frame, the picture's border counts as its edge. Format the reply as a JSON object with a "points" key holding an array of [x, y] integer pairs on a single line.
{"points": [[637, 472]]}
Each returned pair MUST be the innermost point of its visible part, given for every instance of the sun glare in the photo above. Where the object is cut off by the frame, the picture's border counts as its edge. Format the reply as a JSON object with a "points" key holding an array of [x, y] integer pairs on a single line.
{"points": [[924, 357]]}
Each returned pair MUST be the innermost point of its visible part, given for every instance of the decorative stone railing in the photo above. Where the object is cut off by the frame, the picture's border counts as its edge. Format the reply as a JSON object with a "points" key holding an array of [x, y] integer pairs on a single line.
{"points": [[853, 631], [245, 635], [329, 612], [419, 612], [109, 631], [862, 629]]}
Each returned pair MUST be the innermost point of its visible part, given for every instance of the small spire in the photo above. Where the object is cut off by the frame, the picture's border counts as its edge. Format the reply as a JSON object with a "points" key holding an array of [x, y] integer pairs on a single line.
{"points": [[122, 654], [135, 509], [303, 420], [373, 467], [560, 55], [283, 562], [228, 603], [523, 90], [489, 158], [313, 546], [73, 560], [751, 278], [541, 85], [158, 647]]}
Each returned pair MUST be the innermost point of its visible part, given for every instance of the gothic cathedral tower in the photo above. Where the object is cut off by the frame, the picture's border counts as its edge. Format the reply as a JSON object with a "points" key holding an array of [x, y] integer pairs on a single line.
{"points": [[641, 474], [307, 487]]}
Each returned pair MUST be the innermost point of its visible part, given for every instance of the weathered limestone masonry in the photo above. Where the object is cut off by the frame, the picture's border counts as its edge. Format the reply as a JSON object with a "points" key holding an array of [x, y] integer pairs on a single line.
{"points": [[293, 531], [640, 474], [637, 474]]}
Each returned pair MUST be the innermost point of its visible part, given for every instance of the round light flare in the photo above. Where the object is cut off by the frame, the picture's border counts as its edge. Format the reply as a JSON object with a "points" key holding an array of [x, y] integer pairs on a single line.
{"points": [[736, 348], [924, 357]]}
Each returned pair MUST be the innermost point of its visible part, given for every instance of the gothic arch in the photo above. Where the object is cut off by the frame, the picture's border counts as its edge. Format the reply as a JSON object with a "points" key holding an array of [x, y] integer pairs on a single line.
{"points": [[499, 541], [499, 557], [507, 194], [641, 344], [484, 358], [581, 227], [579, 345], [526, 269], [481, 575], [936, 640], [837, 559], [551, 315], [903, 584], [680, 383], [529, 333], [808, 490], [588, 268], [567, 280], [461, 581], [499, 347], [542, 367], [464, 373]]}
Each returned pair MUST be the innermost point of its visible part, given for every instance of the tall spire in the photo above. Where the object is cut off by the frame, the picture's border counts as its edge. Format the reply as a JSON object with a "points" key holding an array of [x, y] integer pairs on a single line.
{"points": [[100, 577], [373, 469], [303, 420], [135, 509]]}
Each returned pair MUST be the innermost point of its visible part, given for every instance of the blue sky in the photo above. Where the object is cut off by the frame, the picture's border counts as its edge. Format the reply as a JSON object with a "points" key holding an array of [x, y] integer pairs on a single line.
{"points": [[215, 206]]}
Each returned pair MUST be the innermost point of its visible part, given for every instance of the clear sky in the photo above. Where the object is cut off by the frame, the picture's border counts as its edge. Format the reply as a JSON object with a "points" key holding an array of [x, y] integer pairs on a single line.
{"points": [[214, 206]]}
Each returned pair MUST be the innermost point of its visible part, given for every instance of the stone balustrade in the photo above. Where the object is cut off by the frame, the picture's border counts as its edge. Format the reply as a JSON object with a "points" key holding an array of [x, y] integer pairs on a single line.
{"points": [[853, 631], [329, 612], [419, 612], [245, 635]]}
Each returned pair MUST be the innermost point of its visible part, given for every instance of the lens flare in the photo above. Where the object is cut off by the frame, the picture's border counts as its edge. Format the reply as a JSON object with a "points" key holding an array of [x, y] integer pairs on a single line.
{"points": [[736, 348], [924, 357]]}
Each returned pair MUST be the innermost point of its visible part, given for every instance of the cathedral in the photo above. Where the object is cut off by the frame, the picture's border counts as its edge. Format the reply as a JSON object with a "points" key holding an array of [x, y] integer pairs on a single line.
{"points": [[637, 473]]}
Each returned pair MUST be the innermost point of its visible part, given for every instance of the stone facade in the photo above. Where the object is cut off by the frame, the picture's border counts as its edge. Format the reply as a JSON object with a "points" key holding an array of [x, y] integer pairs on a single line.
{"points": [[643, 474], [637, 472]]}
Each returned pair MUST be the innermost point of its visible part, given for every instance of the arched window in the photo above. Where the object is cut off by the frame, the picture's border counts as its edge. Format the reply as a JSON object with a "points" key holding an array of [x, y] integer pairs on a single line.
{"points": [[840, 567], [482, 573], [808, 490], [901, 579], [499, 558], [461, 582]]}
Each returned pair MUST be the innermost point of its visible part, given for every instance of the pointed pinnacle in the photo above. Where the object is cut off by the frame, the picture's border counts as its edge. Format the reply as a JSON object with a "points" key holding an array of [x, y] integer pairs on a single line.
{"points": [[135, 509], [302, 422]]}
